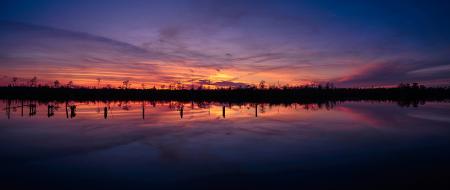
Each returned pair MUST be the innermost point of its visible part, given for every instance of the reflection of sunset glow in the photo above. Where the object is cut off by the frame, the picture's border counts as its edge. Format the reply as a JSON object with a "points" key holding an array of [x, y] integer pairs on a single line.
{"points": [[170, 112], [224, 94], [176, 113]]}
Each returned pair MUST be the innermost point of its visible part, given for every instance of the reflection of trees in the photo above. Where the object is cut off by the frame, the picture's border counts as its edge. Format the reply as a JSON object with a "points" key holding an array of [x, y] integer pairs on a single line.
{"points": [[124, 105], [51, 107], [175, 105], [262, 108], [410, 103], [328, 105], [202, 105]]}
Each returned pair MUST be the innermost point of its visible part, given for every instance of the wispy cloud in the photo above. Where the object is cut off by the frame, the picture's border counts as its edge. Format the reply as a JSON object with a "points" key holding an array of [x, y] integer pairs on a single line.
{"points": [[235, 41], [395, 71]]}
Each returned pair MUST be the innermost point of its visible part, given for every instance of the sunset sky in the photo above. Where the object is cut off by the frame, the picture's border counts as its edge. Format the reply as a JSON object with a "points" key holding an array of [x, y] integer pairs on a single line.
{"points": [[230, 43]]}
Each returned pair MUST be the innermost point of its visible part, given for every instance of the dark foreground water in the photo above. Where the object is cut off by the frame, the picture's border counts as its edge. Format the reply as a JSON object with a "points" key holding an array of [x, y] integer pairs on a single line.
{"points": [[173, 145]]}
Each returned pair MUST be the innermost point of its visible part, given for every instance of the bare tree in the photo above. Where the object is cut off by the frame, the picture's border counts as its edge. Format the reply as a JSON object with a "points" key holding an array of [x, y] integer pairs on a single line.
{"points": [[70, 84], [56, 83], [143, 86], [179, 85], [126, 83], [98, 82], [262, 84], [33, 81], [14, 81], [330, 85]]}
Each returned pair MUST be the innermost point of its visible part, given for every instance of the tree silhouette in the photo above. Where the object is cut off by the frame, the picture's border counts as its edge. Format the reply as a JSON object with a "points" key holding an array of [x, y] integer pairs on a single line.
{"points": [[14, 81], [56, 83], [126, 83], [70, 84], [262, 84], [98, 82], [329, 85], [33, 81], [406, 95], [179, 85]]}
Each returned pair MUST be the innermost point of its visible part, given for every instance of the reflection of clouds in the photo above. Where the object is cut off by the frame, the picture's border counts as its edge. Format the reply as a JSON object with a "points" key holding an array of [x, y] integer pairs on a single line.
{"points": [[431, 117], [361, 116], [387, 116], [199, 133]]}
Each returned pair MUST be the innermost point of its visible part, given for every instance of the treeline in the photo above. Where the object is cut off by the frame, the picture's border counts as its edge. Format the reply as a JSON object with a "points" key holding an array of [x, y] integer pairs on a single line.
{"points": [[404, 93]]}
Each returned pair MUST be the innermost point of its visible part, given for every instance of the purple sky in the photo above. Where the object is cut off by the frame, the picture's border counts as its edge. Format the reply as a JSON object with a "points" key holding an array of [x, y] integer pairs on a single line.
{"points": [[351, 43]]}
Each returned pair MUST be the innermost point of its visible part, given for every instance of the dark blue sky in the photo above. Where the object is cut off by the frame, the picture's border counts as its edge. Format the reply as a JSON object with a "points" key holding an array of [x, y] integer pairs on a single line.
{"points": [[352, 43]]}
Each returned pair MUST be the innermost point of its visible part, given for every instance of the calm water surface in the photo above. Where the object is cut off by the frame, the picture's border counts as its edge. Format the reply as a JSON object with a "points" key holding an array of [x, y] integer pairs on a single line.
{"points": [[169, 145]]}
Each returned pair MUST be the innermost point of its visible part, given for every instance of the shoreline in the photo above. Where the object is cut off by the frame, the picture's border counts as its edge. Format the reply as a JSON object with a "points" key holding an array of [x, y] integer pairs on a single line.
{"points": [[226, 95]]}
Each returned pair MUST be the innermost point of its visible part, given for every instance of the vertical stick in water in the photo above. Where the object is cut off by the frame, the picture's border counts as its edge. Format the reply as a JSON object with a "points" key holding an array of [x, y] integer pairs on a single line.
{"points": [[105, 112], [8, 109], [72, 111], [67, 111], [22, 108], [48, 111], [223, 111], [181, 112], [32, 109], [143, 110]]}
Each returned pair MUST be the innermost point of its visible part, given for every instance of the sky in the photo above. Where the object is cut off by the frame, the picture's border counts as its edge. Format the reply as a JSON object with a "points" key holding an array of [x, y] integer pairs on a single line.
{"points": [[225, 43]]}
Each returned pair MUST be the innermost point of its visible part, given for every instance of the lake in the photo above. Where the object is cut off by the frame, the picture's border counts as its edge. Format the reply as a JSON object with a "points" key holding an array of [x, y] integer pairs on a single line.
{"points": [[211, 145]]}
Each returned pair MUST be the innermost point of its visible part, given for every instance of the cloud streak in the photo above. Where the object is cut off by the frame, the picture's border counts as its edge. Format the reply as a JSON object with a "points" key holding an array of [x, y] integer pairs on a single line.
{"points": [[162, 42], [395, 71]]}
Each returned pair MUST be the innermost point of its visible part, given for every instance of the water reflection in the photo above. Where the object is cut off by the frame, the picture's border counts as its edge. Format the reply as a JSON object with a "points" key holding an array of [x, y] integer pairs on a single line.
{"points": [[195, 110], [148, 108], [126, 144]]}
